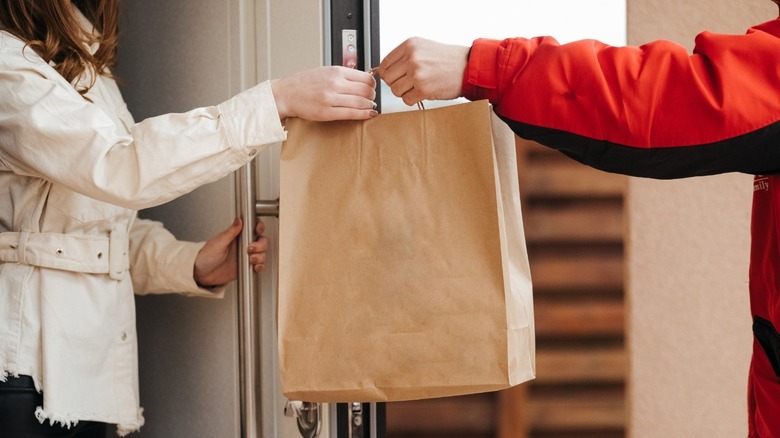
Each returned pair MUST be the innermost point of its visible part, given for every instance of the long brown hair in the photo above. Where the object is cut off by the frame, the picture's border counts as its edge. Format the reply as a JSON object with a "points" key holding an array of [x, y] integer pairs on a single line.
{"points": [[52, 29]]}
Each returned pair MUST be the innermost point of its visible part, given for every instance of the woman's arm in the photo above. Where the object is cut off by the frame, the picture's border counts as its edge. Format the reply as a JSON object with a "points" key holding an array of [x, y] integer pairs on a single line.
{"points": [[49, 131]]}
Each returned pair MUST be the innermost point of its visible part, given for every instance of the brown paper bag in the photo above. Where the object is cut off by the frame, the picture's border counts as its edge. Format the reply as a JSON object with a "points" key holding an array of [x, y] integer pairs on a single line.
{"points": [[403, 267]]}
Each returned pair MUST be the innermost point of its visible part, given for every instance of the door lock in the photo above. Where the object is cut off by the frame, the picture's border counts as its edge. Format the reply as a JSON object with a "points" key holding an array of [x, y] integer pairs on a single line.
{"points": [[349, 48], [308, 416], [356, 420]]}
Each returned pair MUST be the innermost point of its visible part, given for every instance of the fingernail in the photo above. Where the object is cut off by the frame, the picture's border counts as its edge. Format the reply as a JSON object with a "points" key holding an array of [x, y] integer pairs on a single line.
{"points": [[374, 104], [374, 113]]}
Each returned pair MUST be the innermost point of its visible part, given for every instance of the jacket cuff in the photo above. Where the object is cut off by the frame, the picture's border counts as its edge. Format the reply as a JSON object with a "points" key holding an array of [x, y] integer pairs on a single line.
{"points": [[480, 81], [251, 119], [183, 264]]}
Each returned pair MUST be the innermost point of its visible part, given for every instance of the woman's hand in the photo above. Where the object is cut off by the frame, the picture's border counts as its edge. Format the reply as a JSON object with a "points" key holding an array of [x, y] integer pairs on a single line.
{"points": [[326, 93], [216, 263], [420, 69], [257, 249]]}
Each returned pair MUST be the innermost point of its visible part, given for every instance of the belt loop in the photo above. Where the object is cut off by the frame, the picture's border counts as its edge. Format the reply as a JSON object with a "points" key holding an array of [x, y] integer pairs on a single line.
{"points": [[117, 255], [21, 248]]}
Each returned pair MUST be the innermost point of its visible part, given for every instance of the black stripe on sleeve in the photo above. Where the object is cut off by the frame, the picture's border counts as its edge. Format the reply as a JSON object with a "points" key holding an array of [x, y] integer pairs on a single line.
{"points": [[756, 152]]}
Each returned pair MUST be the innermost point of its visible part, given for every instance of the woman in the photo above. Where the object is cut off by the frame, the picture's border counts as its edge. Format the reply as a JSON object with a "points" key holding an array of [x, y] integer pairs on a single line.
{"points": [[653, 111], [74, 168]]}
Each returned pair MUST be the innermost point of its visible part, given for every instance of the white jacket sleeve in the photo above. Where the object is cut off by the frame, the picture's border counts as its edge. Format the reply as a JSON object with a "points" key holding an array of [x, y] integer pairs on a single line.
{"points": [[48, 130], [161, 264]]}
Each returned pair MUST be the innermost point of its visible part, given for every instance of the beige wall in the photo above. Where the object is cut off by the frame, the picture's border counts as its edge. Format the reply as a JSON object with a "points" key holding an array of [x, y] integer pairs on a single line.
{"points": [[689, 323]]}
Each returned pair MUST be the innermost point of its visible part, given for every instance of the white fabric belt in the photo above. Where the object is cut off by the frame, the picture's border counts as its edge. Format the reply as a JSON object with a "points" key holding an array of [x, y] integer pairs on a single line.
{"points": [[89, 254]]}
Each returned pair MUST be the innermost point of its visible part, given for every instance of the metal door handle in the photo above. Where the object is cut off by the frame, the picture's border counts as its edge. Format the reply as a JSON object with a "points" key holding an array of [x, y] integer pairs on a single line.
{"points": [[267, 208], [248, 335]]}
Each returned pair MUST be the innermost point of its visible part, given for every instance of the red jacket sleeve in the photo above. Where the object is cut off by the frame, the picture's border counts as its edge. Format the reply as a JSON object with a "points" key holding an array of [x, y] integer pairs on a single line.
{"points": [[653, 110]]}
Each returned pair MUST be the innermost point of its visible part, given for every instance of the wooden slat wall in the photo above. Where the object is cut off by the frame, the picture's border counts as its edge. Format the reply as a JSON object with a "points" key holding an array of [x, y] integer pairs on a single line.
{"points": [[573, 218], [574, 225]]}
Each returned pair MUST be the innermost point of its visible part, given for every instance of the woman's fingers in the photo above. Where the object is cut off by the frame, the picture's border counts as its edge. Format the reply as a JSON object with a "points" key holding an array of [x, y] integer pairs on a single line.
{"points": [[258, 261], [326, 93], [257, 251], [258, 246], [260, 227], [359, 77]]}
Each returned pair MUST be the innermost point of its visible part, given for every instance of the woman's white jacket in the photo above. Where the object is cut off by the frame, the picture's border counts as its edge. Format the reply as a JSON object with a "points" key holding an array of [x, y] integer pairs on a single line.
{"points": [[73, 172]]}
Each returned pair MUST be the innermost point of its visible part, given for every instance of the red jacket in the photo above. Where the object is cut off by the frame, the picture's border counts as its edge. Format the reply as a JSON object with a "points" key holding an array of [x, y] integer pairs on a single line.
{"points": [[657, 111]]}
